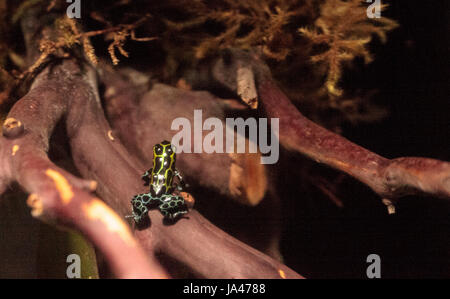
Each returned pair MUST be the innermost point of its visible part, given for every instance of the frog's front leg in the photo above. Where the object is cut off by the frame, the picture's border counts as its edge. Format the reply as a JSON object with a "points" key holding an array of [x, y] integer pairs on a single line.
{"points": [[146, 177], [182, 184], [173, 206]]}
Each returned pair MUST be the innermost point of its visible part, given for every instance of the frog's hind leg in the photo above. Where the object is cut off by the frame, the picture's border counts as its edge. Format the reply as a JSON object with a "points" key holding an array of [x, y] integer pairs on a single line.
{"points": [[139, 210], [141, 203], [173, 206], [147, 199]]}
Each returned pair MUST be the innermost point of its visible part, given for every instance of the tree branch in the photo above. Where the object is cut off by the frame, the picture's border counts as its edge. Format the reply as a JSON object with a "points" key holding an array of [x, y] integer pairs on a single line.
{"points": [[135, 113], [193, 240], [56, 195], [390, 178], [67, 90]]}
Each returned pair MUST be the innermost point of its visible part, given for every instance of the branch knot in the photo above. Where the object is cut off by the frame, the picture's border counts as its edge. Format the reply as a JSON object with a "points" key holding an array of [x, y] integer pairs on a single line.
{"points": [[12, 128]]}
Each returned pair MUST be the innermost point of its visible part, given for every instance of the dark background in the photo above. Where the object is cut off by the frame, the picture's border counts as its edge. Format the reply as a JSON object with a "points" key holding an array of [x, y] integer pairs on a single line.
{"points": [[410, 73]]}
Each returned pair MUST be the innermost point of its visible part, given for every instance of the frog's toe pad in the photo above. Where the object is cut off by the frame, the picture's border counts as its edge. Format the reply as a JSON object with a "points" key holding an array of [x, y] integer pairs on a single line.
{"points": [[173, 208]]}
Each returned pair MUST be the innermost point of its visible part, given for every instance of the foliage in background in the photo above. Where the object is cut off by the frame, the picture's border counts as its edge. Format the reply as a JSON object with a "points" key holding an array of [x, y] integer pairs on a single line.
{"points": [[308, 42], [345, 30], [244, 24]]}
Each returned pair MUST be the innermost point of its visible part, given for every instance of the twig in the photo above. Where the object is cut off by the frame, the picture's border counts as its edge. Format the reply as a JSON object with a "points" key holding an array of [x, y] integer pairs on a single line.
{"points": [[390, 178]]}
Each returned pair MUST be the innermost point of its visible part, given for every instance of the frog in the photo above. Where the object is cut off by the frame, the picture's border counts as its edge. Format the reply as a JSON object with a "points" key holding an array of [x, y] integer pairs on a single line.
{"points": [[164, 192]]}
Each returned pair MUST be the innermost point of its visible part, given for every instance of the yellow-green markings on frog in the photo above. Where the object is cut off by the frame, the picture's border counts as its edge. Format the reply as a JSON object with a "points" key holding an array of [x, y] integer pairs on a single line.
{"points": [[160, 179], [160, 156]]}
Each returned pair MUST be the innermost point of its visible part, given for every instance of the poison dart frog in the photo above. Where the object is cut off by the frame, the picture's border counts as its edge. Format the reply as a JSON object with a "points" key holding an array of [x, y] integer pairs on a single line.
{"points": [[160, 178]]}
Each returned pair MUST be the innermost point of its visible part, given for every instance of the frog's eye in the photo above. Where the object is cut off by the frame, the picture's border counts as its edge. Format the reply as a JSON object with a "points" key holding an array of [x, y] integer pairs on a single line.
{"points": [[158, 149], [173, 148]]}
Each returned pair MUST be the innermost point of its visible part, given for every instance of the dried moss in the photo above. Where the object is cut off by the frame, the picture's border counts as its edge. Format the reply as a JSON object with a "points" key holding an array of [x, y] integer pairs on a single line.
{"points": [[309, 41]]}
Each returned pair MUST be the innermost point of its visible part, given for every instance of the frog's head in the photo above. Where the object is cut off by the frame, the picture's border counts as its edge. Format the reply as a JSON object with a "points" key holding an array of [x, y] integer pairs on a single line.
{"points": [[164, 149]]}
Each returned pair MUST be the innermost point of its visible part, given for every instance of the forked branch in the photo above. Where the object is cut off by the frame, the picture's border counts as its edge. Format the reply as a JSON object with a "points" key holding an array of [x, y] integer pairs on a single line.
{"points": [[56, 195], [67, 91]]}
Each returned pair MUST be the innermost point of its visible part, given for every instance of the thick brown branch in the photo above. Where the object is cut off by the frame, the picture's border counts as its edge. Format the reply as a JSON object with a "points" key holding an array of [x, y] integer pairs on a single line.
{"points": [[69, 90], [56, 195], [390, 178], [193, 240], [137, 119]]}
